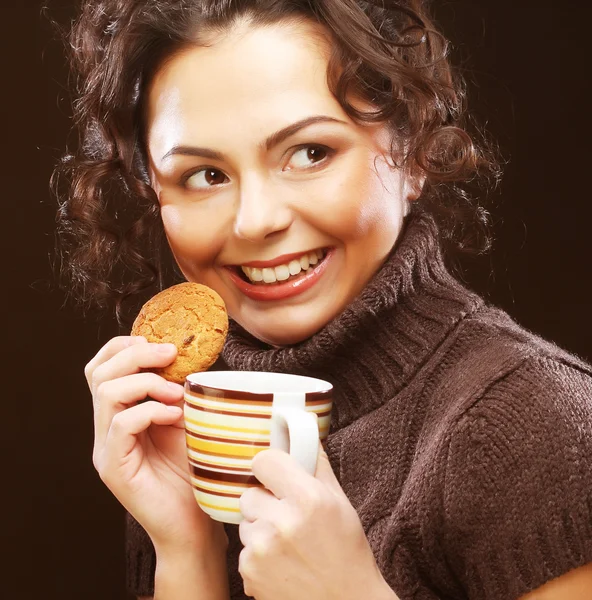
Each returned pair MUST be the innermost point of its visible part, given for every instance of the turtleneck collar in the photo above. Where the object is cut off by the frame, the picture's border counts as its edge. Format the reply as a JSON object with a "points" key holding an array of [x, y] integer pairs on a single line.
{"points": [[381, 340]]}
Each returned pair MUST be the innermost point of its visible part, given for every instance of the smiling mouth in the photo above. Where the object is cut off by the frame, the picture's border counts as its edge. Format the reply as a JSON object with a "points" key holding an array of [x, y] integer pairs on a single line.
{"points": [[292, 270]]}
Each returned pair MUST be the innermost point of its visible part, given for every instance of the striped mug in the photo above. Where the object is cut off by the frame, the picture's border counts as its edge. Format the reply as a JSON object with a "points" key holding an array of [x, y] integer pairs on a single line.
{"points": [[230, 416]]}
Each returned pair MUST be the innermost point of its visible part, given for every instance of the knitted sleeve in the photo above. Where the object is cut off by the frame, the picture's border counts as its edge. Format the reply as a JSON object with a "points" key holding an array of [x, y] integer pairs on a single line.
{"points": [[518, 490]]}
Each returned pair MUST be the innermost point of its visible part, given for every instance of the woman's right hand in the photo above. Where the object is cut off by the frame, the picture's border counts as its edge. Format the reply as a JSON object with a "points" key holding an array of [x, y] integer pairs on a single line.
{"points": [[139, 448]]}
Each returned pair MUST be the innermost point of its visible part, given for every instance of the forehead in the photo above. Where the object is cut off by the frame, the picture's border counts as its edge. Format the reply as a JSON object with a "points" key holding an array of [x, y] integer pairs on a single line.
{"points": [[262, 77]]}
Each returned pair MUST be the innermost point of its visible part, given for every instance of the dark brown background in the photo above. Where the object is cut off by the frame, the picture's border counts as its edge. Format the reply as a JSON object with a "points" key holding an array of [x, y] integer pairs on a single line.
{"points": [[63, 530]]}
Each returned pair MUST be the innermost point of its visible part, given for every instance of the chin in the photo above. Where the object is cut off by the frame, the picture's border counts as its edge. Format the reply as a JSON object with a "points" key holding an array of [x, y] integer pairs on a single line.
{"points": [[284, 334]]}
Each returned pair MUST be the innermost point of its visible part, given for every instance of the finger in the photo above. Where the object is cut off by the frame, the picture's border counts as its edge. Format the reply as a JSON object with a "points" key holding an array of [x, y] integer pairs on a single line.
{"points": [[127, 425], [256, 536], [132, 360], [117, 395], [256, 503], [281, 474], [110, 349]]}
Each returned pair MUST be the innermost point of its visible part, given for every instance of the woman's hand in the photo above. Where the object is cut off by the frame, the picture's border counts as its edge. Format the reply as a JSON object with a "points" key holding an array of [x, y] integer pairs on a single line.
{"points": [[139, 449], [303, 538]]}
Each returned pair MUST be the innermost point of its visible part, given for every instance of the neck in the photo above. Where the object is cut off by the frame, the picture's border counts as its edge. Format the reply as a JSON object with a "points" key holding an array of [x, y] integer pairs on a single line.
{"points": [[381, 340]]}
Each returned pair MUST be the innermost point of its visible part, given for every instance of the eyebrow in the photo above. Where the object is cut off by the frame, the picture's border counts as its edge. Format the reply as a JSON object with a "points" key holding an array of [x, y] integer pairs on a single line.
{"points": [[273, 140]]}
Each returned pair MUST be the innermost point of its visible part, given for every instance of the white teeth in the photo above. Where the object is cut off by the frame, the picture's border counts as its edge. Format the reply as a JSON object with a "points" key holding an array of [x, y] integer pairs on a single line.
{"points": [[294, 267], [269, 276], [282, 272], [253, 274]]}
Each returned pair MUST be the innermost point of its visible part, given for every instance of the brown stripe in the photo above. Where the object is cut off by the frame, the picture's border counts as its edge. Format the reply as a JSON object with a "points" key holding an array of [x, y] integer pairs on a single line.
{"points": [[225, 482], [230, 477], [227, 412], [325, 413], [324, 396], [222, 394], [201, 463], [215, 493], [200, 436]]}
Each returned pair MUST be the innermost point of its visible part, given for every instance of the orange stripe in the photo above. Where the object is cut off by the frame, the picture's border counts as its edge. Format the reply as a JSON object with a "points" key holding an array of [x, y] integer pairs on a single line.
{"points": [[325, 413], [241, 441], [225, 454], [204, 463], [215, 507]]}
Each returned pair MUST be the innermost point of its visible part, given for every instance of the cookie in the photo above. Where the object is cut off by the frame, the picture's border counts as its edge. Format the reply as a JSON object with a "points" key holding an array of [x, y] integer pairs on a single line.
{"points": [[191, 316]]}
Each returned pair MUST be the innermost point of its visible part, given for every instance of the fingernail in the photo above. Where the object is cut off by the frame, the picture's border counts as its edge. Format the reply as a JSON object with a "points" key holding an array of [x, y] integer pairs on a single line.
{"points": [[165, 348], [176, 409]]}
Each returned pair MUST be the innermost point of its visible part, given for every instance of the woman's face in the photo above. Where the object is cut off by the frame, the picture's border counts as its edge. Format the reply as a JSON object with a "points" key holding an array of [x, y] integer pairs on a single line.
{"points": [[270, 194]]}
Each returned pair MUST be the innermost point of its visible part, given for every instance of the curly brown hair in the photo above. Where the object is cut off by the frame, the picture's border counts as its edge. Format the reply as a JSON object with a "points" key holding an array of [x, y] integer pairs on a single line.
{"points": [[111, 240]]}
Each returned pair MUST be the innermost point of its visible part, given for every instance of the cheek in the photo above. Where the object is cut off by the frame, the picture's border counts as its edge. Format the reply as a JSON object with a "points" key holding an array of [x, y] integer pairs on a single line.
{"points": [[190, 240], [358, 203]]}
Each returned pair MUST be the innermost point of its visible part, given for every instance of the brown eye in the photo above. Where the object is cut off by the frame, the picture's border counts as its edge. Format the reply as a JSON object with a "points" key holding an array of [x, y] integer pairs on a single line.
{"points": [[307, 157], [214, 177], [316, 154], [205, 178]]}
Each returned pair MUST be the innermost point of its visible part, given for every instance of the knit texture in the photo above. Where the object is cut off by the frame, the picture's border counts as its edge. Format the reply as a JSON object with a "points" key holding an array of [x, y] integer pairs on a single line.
{"points": [[463, 441]]}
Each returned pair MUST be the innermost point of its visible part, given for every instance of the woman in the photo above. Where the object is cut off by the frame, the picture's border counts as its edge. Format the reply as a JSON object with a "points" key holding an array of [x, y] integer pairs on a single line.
{"points": [[248, 137]]}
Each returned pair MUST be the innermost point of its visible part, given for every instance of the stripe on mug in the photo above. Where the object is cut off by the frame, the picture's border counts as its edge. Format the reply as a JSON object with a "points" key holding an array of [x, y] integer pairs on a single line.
{"points": [[240, 441], [225, 427], [255, 401], [213, 403], [209, 465], [259, 415], [216, 493], [220, 486], [217, 476], [225, 450], [220, 393], [212, 424], [218, 506], [219, 462]]}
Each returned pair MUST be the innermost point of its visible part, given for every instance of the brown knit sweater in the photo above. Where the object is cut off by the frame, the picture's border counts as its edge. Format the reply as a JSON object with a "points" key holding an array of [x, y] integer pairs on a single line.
{"points": [[463, 441]]}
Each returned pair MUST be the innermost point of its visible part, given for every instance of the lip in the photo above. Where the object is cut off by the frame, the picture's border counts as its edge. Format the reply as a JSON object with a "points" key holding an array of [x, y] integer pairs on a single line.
{"points": [[280, 291], [274, 262]]}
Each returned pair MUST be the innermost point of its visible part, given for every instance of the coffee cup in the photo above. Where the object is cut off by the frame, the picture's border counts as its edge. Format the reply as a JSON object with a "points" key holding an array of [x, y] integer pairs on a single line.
{"points": [[231, 416]]}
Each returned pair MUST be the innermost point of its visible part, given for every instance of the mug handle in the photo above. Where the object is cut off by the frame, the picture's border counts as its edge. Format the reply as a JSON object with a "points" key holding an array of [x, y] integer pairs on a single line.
{"points": [[296, 431]]}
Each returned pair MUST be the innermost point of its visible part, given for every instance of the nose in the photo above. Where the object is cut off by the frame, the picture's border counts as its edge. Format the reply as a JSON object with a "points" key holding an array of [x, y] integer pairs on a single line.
{"points": [[262, 212]]}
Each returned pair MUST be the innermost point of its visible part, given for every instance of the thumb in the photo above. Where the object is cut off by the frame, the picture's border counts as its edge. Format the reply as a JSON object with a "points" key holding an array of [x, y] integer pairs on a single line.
{"points": [[324, 472]]}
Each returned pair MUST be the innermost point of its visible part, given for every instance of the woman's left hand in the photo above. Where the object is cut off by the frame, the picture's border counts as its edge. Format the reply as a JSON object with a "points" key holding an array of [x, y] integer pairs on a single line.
{"points": [[302, 537]]}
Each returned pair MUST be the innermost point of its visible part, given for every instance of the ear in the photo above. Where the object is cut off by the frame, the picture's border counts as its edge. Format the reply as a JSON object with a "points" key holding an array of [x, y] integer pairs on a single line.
{"points": [[412, 188], [414, 182]]}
